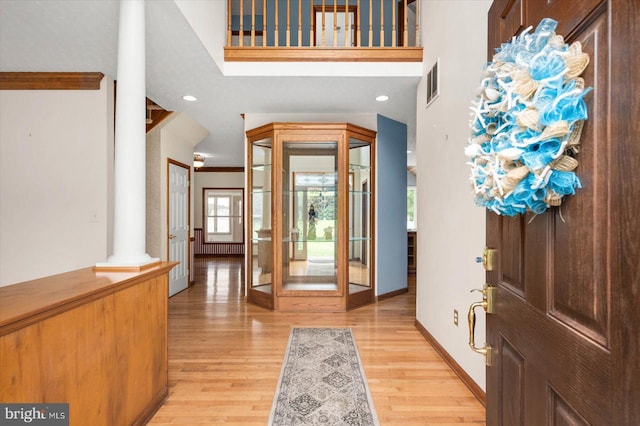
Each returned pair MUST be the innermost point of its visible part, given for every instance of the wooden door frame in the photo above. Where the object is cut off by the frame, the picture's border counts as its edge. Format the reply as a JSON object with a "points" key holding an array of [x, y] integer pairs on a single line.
{"points": [[625, 312], [281, 160], [400, 24]]}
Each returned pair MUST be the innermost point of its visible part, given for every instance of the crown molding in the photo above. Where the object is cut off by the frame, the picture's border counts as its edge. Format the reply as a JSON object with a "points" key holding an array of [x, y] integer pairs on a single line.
{"points": [[50, 80]]}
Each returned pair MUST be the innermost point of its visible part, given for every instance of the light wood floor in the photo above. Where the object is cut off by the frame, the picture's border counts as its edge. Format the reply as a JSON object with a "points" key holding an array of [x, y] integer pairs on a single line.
{"points": [[225, 357]]}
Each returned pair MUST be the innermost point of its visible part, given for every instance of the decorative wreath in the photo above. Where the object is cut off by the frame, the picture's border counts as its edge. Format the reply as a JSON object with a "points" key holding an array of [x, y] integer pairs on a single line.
{"points": [[526, 123]]}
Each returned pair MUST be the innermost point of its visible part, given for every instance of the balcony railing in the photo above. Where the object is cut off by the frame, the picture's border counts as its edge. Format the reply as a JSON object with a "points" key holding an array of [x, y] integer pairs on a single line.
{"points": [[319, 30]]}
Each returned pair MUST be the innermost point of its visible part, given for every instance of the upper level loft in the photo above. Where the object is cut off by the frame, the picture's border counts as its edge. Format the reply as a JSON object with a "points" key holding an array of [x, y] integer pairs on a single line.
{"points": [[354, 31]]}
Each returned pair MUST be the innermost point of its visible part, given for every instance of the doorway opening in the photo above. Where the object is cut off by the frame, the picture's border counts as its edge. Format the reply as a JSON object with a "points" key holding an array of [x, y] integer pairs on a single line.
{"points": [[334, 26]]}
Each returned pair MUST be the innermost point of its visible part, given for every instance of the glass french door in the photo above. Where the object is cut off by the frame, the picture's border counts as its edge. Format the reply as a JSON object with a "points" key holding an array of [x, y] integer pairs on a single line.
{"points": [[309, 217]]}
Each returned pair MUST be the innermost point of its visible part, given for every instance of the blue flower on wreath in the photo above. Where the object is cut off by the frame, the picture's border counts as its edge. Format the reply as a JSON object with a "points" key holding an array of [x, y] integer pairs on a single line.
{"points": [[526, 123]]}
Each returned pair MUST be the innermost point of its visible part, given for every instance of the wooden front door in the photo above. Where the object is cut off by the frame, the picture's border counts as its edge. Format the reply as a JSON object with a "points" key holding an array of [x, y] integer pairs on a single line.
{"points": [[565, 330]]}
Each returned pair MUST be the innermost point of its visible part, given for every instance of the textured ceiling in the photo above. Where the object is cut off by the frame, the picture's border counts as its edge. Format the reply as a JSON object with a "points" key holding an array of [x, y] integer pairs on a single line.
{"points": [[82, 36]]}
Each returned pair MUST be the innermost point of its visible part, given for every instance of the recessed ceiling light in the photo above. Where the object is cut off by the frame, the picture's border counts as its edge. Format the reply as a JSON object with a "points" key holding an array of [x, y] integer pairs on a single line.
{"points": [[382, 98], [189, 98]]}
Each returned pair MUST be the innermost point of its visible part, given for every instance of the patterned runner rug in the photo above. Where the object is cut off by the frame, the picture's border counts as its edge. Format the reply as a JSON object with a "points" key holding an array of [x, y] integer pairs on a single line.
{"points": [[322, 381]]}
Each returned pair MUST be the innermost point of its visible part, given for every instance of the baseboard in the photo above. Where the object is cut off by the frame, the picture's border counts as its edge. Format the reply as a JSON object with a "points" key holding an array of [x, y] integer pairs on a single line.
{"points": [[391, 294], [220, 256], [153, 407], [466, 379]]}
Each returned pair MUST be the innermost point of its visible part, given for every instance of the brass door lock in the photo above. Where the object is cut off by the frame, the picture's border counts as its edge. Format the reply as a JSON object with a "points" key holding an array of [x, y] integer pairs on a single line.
{"points": [[487, 305]]}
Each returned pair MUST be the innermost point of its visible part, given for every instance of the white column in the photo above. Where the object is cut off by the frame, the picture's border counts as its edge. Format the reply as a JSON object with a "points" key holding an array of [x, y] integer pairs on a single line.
{"points": [[130, 142]]}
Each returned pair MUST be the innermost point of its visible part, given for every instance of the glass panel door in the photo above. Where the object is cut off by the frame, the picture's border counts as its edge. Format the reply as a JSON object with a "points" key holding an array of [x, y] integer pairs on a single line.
{"points": [[360, 246], [309, 216], [260, 251]]}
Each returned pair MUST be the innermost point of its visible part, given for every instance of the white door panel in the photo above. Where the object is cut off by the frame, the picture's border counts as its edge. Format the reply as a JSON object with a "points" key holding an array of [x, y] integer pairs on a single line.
{"points": [[178, 238]]}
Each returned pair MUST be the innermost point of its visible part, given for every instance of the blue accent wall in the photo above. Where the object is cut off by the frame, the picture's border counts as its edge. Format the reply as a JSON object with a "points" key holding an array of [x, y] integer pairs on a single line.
{"points": [[391, 237]]}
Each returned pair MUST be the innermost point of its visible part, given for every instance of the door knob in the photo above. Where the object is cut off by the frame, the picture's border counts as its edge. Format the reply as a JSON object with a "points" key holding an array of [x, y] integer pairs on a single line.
{"points": [[171, 237], [487, 305]]}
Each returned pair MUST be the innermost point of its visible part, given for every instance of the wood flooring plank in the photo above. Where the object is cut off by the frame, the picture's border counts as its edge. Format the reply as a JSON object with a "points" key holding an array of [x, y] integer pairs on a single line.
{"points": [[225, 357]]}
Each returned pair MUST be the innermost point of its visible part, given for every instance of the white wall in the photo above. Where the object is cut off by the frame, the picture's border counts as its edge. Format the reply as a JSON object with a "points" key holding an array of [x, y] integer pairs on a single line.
{"points": [[451, 227], [56, 157], [178, 135], [154, 189], [213, 180], [209, 21]]}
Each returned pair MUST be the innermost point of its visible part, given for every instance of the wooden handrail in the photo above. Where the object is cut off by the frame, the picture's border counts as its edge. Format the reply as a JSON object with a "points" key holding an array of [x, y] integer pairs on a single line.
{"points": [[315, 54]]}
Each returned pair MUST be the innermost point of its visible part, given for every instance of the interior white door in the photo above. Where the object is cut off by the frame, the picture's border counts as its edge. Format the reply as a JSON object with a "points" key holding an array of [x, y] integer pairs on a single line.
{"points": [[178, 238], [340, 28]]}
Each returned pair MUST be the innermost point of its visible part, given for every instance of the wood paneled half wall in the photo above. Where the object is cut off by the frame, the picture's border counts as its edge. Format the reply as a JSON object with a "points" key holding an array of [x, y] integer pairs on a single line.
{"points": [[95, 340]]}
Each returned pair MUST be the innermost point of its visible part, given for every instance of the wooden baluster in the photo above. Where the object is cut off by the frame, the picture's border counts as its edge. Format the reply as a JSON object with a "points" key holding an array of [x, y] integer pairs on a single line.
{"points": [[394, 33], [358, 33], [381, 23], [371, 22], [276, 35], [241, 37], [229, 15], [253, 23], [335, 23], [405, 36], [299, 23], [264, 23], [324, 35], [288, 23], [346, 23], [312, 40], [417, 23]]}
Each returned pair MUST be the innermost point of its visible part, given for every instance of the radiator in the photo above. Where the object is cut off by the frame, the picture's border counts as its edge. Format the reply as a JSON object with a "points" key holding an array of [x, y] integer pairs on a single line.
{"points": [[215, 248]]}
